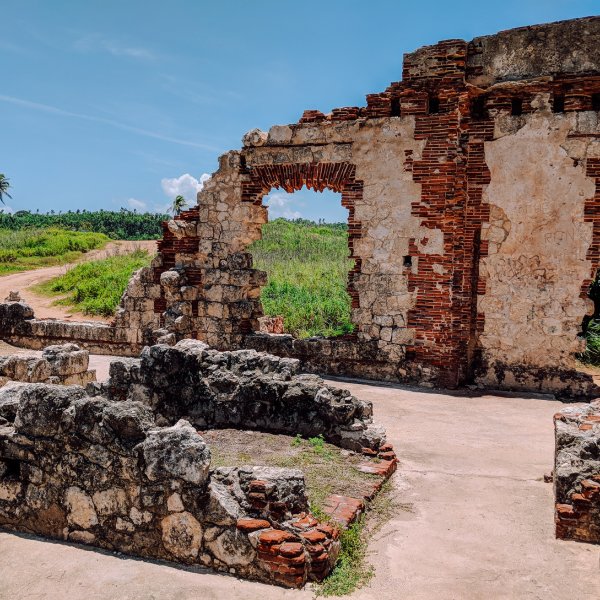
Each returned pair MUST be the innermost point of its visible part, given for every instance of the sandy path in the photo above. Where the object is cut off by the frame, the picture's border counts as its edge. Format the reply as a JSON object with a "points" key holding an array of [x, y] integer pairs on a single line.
{"points": [[42, 305]]}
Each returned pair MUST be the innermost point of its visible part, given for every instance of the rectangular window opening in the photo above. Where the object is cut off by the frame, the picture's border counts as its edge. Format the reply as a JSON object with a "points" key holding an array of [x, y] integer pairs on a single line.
{"points": [[407, 262], [434, 105], [516, 107], [478, 107], [395, 107], [558, 105], [595, 101]]}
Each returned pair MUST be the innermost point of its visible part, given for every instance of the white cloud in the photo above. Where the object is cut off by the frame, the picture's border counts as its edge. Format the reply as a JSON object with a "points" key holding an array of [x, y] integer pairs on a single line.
{"points": [[95, 42], [185, 185], [137, 204], [281, 205]]}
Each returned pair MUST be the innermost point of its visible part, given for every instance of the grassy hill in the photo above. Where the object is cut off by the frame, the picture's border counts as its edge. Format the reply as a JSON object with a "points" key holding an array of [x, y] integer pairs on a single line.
{"points": [[307, 266]]}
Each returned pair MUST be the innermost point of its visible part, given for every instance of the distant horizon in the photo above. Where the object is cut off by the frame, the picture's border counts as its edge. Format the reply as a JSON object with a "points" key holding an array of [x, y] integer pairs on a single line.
{"points": [[129, 104]]}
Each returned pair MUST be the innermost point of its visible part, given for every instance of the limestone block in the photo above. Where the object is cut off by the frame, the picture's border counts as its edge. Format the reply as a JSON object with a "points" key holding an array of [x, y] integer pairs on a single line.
{"points": [[81, 512], [111, 502], [174, 503], [182, 535], [176, 452], [66, 359], [232, 548]]}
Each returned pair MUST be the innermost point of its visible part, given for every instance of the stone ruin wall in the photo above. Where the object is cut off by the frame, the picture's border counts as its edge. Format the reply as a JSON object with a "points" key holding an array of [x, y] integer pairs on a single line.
{"points": [[65, 364], [577, 473], [473, 192], [115, 466]]}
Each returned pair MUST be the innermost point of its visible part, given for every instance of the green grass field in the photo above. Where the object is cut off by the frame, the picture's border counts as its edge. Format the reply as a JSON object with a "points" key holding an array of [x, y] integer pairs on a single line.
{"points": [[307, 266], [96, 287], [34, 248]]}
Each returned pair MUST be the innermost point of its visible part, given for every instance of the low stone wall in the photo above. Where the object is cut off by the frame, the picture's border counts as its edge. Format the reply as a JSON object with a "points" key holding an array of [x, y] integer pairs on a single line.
{"points": [[18, 326], [577, 473], [66, 364], [241, 389], [343, 356], [95, 471]]}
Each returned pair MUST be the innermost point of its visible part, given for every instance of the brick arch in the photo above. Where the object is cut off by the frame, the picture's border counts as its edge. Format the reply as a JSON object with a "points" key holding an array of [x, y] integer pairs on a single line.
{"points": [[339, 177]]}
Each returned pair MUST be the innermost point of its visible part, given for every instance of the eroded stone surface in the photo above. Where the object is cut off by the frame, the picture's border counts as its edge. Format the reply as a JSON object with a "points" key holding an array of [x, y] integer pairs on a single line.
{"points": [[242, 388], [577, 473], [96, 471]]}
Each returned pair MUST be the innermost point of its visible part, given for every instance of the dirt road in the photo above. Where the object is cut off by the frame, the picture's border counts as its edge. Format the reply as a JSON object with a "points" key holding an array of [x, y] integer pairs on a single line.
{"points": [[42, 305]]}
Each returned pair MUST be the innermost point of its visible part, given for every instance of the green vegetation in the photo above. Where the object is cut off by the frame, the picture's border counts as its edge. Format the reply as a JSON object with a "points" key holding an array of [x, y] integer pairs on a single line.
{"points": [[4, 187], [351, 570], [178, 205], [327, 470], [96, 287], [591, 356], [591, 328], [307, 265], [121, 225], [34, 248]]}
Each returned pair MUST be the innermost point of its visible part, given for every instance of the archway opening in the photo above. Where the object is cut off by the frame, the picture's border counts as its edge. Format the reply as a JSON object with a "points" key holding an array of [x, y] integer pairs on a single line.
{"points": [[304, 251]]}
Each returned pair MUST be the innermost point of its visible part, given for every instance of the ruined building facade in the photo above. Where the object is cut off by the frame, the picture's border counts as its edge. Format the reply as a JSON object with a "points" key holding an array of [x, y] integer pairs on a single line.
{"points": [[473, 191]]}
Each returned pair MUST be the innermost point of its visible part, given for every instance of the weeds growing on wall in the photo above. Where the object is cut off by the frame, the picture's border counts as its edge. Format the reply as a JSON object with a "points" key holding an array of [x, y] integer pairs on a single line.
{"points": [[34, 248], [96, 287], [307, 266]]}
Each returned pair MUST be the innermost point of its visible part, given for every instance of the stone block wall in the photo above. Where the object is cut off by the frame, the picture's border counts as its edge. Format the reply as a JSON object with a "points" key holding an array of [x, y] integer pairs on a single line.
{"points": [[241, 389], [577, 473], [65, 364], [19, 326], [100, 472], [472, 192]]}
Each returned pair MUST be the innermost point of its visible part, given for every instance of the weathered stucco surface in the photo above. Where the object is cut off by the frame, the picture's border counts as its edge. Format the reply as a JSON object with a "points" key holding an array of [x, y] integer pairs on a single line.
{"points": [[538, 244]]}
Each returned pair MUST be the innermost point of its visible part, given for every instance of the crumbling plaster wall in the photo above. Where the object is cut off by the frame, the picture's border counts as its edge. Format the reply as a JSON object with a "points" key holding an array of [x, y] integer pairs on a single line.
{"points": [[538, 241], [383, 213]]}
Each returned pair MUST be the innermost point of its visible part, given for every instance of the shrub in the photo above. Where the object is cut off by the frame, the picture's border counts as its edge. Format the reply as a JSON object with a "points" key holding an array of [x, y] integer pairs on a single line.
{"points": [[96, 287]]}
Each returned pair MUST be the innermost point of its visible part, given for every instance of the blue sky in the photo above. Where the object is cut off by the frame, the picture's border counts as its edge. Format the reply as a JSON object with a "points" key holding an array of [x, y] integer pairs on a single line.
{"points": [[109, 104]]}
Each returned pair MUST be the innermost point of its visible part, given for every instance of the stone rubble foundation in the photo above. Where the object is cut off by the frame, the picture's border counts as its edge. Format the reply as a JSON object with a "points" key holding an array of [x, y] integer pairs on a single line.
{"points": [[122, 466], [65, 364], [577, 473]]}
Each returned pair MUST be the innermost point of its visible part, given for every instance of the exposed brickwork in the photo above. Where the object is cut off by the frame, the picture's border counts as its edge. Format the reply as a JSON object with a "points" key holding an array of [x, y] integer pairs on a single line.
{"points": [[592, 215], [344, 510], [580, 519]]}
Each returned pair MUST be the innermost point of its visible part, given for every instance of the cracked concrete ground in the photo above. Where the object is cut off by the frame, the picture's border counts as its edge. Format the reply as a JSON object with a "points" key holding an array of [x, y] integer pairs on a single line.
{"points": [[481, 524]]}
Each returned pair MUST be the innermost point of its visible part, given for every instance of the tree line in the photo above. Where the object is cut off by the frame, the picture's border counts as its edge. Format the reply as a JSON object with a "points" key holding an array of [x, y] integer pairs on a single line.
{"points": [[118, 225]]}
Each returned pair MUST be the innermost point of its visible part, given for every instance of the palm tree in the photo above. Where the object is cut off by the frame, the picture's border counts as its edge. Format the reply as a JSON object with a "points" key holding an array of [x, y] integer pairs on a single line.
{"points": [[4, 187], [178, 205]]}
